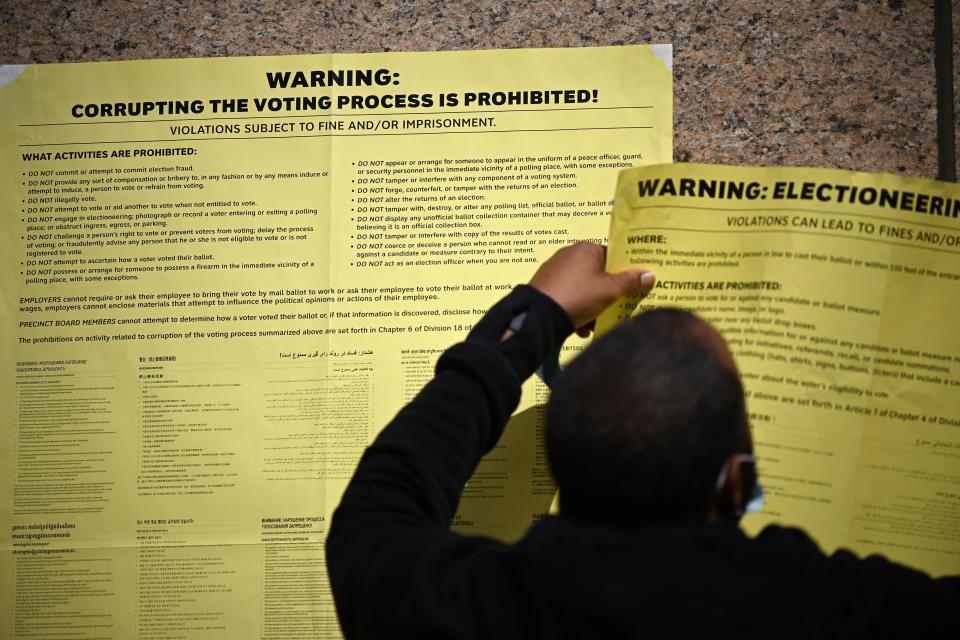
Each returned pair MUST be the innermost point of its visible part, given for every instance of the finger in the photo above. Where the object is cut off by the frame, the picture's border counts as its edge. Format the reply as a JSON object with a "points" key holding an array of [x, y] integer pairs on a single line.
{"points": [[647, 280], [592, 254], [630, 281]]}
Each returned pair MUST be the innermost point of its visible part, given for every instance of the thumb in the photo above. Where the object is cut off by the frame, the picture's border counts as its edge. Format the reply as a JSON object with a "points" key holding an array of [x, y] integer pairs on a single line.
{"points": [[631, 281]]}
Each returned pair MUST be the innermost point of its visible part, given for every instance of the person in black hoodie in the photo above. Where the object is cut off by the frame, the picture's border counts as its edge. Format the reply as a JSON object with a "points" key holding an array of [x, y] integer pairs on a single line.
{"points": [[648, 439]]}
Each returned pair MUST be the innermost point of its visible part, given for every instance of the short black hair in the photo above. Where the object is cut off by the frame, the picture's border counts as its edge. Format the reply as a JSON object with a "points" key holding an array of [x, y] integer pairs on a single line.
{"points": [[639, 425]]}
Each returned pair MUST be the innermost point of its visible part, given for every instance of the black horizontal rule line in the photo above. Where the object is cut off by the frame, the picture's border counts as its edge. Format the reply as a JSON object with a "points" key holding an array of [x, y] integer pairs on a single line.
{"points": [[331, 135], [801, 210], [331, 115], [807, 233]]}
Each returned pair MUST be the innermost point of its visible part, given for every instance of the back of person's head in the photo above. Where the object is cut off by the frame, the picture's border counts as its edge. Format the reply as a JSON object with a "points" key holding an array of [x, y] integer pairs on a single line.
{"points": [[639, 426]]}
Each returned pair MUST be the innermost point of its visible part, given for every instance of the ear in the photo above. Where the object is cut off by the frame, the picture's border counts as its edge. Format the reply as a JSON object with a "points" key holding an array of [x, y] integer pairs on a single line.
{"points": [[728, 500]]}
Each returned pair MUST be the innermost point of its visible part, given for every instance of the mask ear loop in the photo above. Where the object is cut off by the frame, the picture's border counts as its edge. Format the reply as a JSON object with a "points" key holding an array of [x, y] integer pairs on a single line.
{"points": [[755, 502], [723, 475]]}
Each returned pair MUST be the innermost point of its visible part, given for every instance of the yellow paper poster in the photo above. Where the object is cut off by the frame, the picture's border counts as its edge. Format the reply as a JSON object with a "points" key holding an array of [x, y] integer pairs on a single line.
{"points": [[835, 291], [220, 279]]}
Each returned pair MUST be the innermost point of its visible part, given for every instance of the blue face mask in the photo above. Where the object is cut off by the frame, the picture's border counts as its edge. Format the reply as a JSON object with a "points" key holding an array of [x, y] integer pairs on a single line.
{"points": [[755, 501]]}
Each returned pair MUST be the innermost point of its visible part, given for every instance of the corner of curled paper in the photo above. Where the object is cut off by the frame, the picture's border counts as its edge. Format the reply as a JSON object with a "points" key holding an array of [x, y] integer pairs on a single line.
{"points": [[664, 52], [9, 73]]}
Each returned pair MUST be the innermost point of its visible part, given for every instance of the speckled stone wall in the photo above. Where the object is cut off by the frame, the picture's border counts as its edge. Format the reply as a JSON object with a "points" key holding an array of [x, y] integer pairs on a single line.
{"points": [[832, 82]]}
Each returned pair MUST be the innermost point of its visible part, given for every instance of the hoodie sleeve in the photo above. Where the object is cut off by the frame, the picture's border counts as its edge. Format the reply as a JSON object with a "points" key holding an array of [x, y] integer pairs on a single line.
{"points": [[389, 542]]}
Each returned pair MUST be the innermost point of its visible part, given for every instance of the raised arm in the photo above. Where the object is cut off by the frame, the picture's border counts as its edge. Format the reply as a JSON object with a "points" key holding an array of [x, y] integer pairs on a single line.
{"points": [[390, 539]]}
